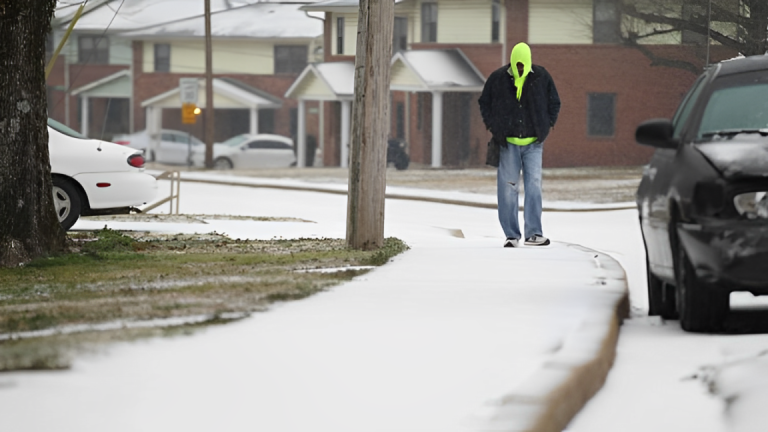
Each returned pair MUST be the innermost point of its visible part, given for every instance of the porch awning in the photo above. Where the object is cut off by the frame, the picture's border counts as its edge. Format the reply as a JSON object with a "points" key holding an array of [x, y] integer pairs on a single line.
{"points": [[435, 71], [333, 81], [117, 85], [228, 93]]}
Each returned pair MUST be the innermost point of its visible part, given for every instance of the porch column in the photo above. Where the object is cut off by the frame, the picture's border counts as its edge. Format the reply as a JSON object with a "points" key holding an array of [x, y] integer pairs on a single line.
{"points": [[437, 129], [346, 113], [254, 120], [301, 140], [84, 115]]}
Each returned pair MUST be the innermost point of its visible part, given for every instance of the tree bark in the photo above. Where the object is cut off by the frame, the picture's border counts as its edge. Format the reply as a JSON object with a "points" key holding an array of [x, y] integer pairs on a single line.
{"points": [[29, 227], [370, 125]]}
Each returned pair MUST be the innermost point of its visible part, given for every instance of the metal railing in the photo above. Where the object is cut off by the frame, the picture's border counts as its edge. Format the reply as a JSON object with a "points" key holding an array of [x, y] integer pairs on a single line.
{"points": [[175, 178]]}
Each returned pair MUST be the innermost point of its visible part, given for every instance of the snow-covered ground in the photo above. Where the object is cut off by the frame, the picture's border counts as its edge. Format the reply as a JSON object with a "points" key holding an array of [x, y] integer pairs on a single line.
{"points": [[488, 330]]}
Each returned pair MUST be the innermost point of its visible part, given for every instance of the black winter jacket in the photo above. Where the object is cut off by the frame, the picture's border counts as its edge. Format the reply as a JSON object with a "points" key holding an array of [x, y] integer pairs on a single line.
{"points": [[532, 116]]}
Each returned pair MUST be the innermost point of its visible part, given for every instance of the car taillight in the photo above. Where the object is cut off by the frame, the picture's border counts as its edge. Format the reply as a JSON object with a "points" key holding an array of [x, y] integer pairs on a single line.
{"points": [[136, 160], [122, 142]]}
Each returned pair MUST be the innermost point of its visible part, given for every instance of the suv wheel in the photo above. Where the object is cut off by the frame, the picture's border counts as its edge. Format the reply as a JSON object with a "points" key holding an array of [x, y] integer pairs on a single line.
{"points": [[702, 307]]}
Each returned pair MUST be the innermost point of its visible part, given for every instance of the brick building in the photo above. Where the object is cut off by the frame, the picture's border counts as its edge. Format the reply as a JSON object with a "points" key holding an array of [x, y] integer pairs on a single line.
{"points": [[122, 56], [606, 88]]}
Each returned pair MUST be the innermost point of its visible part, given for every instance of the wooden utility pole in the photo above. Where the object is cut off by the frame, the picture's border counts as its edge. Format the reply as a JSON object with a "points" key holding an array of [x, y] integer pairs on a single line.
{"points": [[370, 125], [209, 116]]}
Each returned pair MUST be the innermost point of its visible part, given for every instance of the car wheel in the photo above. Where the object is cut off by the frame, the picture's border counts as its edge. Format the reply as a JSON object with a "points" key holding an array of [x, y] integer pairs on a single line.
{"points": [[222, 164], [702, 307], [661, 296], [67, 201]]}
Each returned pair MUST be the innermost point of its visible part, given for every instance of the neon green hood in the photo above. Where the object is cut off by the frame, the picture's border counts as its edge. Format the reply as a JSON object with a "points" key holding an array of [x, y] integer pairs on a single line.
{"points": [[521, 53]]}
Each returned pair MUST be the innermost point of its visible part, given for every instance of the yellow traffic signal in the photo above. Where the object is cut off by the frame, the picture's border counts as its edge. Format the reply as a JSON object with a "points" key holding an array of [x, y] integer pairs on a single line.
{"points": [[188, 113]]}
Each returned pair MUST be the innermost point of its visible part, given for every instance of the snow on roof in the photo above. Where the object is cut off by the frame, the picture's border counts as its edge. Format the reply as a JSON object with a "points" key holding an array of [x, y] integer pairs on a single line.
{"points": [[446, 70], [337, 82], [340, 76], [185, 18], [335, 6]]}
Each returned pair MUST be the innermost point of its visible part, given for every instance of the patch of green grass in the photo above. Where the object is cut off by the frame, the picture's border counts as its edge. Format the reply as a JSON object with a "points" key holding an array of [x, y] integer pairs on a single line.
{"points": [[111, 276]]}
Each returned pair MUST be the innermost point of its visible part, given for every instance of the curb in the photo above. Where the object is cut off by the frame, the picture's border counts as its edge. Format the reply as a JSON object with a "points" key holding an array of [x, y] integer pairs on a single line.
{"points": [[390, 195], [551, 397]]}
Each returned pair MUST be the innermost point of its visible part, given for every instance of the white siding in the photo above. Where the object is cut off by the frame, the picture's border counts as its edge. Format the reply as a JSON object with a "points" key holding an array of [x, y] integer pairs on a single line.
{"points": [[560, 22], [350, 33], [229, 56], [314, 87], [461, 21], [120, 51], [403, 77]]}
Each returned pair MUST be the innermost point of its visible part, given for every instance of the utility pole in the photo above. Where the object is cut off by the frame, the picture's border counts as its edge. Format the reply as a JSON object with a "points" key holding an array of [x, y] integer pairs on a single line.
{"points": [[370, 125], [209, 117]]}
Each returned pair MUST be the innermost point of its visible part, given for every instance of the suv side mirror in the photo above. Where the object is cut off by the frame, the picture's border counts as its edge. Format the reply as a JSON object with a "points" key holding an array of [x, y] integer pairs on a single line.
{"points": [[656, 133]]}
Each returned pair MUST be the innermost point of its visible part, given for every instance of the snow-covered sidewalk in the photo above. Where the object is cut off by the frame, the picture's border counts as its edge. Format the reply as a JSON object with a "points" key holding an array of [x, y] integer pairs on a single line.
{"points": [[457, 334]]}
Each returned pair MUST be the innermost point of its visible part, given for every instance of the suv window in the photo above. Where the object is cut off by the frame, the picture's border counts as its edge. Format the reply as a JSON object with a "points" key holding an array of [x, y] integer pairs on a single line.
{"points": [[685, 108]]}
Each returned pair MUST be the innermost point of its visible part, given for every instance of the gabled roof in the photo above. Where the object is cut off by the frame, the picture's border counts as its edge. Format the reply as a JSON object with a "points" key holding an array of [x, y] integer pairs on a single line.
{"points": [[262, 20], [228, 93], [435, 70], [335, 6], [324, 81], [117, 85], [130, 15]]}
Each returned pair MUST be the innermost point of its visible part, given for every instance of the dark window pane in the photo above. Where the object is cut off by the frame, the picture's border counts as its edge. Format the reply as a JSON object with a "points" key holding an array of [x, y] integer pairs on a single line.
{"points": [[290, 59], [93, 49], [400, 35], [162, 57], [266, 121], [429, 22], [606, 22], [495, 21], [601, 114], [340, 35]]}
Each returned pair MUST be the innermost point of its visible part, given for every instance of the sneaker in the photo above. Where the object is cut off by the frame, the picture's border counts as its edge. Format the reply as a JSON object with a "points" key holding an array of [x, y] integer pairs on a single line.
{"points": [[511, 242], [536, 240]]}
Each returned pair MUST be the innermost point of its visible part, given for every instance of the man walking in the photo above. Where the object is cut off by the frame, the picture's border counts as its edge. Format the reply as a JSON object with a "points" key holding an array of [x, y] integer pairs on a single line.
{"points": [[519, 106]]}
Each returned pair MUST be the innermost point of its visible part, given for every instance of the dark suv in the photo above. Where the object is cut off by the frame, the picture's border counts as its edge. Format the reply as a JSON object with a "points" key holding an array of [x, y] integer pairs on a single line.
{"points": [[703, 199]]}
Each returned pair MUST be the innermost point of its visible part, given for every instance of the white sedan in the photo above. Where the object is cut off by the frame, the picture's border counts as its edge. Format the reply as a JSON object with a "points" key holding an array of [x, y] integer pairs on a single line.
{"points": [[92, 177], [248, 152], [168, 147]]}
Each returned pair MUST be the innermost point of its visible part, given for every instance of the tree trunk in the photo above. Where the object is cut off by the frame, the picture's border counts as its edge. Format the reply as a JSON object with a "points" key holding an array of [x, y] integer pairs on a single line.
{"points": [[29, 227], [370, 125]]}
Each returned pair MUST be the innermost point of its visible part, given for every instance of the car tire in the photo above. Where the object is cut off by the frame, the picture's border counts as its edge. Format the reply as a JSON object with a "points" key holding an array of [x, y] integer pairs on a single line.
{"points": [[222, 163], [702, 307], [661, 296], [68, 202]]}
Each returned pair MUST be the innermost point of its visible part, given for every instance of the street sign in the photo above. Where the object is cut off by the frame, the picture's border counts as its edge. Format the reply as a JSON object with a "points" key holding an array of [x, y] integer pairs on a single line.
{"points": [[188, 115], [188, 90]]}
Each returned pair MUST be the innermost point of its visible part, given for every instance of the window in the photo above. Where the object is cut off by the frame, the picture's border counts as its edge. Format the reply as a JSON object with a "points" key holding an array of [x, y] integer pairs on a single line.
{"points": [[400, 120], [693, 13], [606, 22], [162, 57], [684, 111], [340, 35], [267, 121], [495, 21], [429, 22], [400, 35], [269, 145], [93, 49], [601, 114], [290, 59]]}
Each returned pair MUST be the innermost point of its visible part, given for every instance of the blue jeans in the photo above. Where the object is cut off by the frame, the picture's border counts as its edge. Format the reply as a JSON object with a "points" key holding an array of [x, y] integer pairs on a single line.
{"points": [[512, 160]]}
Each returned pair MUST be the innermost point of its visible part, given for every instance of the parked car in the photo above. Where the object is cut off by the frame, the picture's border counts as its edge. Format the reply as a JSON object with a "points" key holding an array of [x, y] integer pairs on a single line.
{"points": [[92, 177], [248, 151], [703, 199], [170, 147]]}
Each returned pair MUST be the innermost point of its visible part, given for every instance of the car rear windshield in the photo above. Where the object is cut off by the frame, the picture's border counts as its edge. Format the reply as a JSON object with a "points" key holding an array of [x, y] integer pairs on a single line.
{"points": [[65, 129], [738, 103], [235, 140]]}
